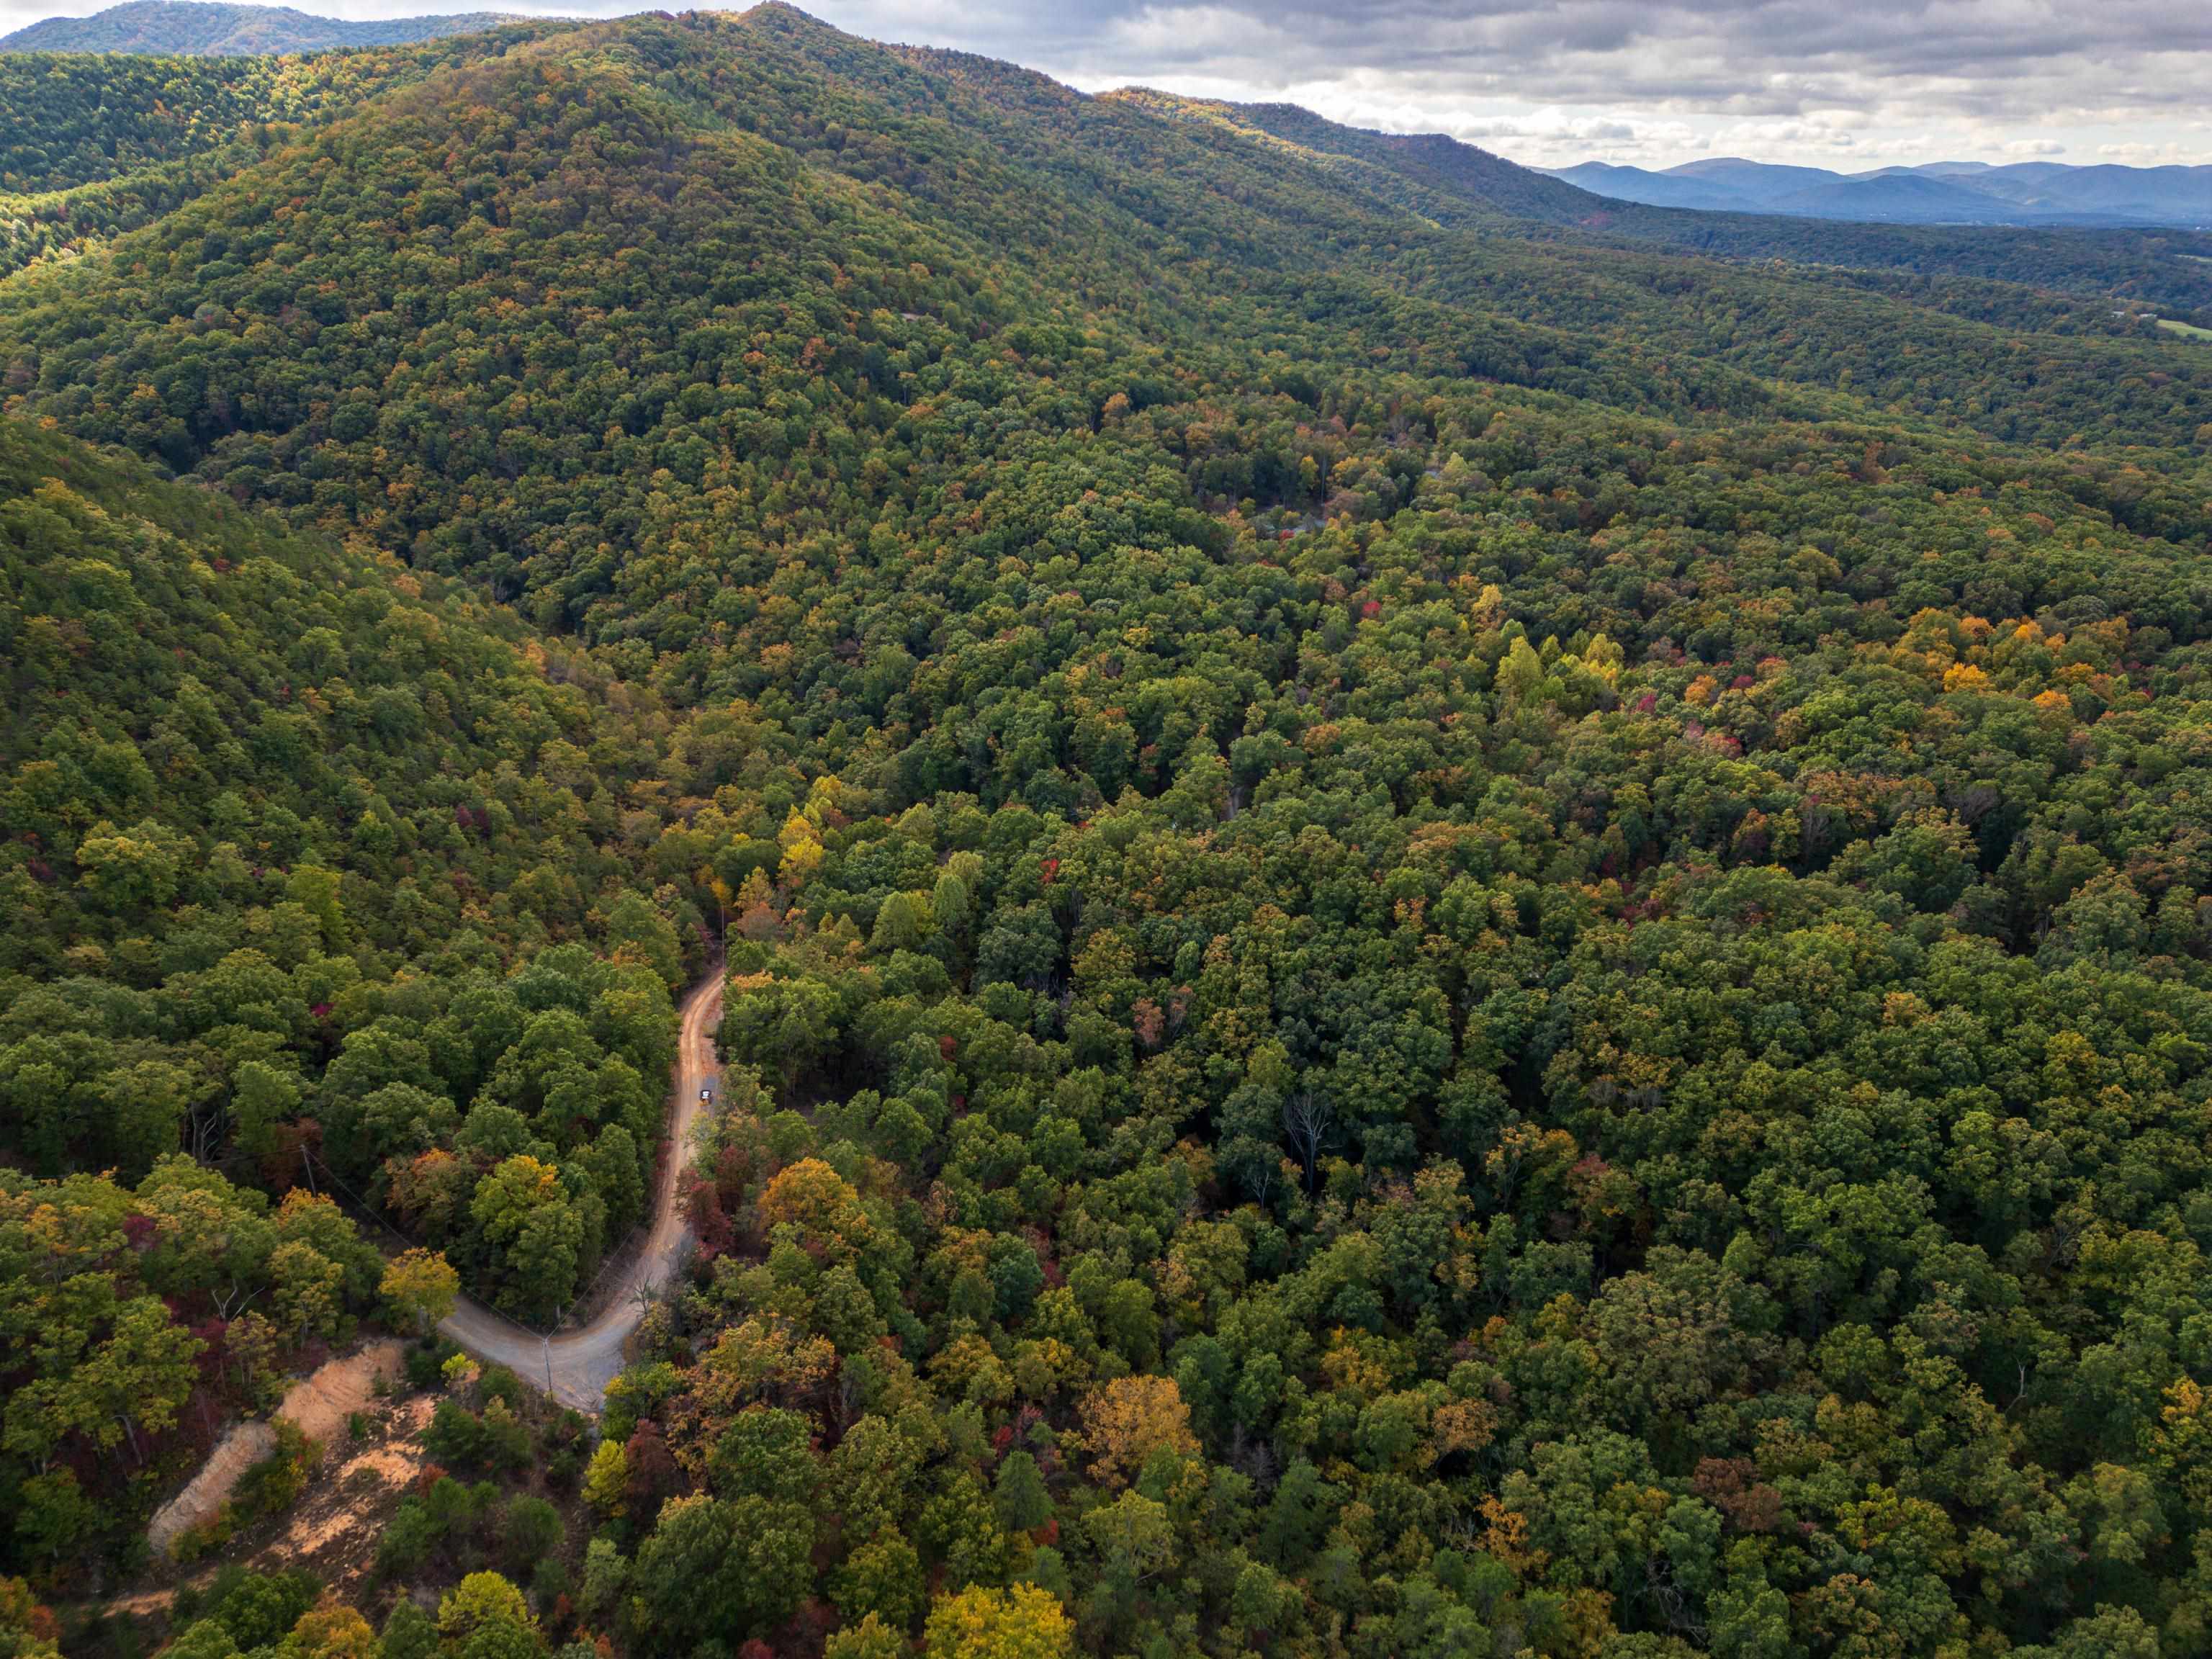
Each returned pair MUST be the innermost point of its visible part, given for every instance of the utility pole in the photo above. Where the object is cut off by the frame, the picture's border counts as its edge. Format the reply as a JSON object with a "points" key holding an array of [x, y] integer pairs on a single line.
{"points": [[547, 1343]]}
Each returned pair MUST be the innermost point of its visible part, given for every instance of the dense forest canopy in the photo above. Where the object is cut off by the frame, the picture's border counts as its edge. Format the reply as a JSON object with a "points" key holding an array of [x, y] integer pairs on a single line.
{"points": [[95, 144], [1447, 932]]}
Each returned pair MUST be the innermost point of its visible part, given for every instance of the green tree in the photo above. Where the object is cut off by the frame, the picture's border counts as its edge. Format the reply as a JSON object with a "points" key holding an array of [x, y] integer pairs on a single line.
{"points": [[535, 1231], [485, 1617], [727, 1570], [1019, 1493]]}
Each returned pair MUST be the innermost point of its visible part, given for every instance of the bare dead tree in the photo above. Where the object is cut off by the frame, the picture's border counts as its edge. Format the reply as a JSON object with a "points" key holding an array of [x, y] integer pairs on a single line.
{"points": [[1261, 1178], [1307, 1116], [205, 1124]]}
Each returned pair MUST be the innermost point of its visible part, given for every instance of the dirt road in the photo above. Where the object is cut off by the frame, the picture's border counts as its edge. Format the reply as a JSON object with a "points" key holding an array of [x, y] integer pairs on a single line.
{"points": [[576, 1366]]}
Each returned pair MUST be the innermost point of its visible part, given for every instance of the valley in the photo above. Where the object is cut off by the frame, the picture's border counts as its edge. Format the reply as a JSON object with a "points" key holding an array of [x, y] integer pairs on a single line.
{"points": [[1427, 916]]}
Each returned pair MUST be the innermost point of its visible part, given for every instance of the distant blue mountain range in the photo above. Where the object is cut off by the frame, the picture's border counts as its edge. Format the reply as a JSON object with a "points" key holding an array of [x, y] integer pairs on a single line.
{"points": [[1942, 192]]}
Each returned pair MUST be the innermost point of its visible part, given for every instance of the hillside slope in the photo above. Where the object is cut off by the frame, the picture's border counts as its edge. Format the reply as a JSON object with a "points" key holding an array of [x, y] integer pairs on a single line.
{"points": [[91, 146], [212, 28], [260, 796]]}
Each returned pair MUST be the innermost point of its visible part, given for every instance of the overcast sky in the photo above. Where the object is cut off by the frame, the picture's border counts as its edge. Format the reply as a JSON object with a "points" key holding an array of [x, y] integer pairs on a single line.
{"points": [[1839, 83]]}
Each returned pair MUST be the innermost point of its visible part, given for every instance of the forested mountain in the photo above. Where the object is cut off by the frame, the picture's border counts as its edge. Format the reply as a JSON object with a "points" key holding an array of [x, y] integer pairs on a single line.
{"points": [[1442, 179], [212, 28], [1449, 933]]}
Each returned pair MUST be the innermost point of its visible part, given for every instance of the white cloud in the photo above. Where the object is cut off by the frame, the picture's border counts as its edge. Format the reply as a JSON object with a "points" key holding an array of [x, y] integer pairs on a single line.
{"points": [[1173, 34]]}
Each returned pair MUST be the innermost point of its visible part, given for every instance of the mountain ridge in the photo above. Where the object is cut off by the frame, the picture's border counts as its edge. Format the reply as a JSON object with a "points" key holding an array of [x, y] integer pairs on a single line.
{"points": [[216, 28], [1441, 178]]}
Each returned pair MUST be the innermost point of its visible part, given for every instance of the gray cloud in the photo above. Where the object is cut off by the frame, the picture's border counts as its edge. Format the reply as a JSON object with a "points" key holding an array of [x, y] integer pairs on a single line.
{"points": [[1876, 77]]}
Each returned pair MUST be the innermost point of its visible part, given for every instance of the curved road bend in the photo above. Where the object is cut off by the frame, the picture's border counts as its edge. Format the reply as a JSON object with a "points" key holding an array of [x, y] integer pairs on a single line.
{"points": [[582, 1362]]}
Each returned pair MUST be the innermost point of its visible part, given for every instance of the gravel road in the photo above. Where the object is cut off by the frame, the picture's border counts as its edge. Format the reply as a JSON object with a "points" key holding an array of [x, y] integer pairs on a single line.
{"points": [[576, 1366]]}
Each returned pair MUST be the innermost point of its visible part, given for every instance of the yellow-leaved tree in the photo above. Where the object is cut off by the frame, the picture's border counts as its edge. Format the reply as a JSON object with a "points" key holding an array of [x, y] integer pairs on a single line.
{"points": [[1128, 1419], [1020, 1622]]}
